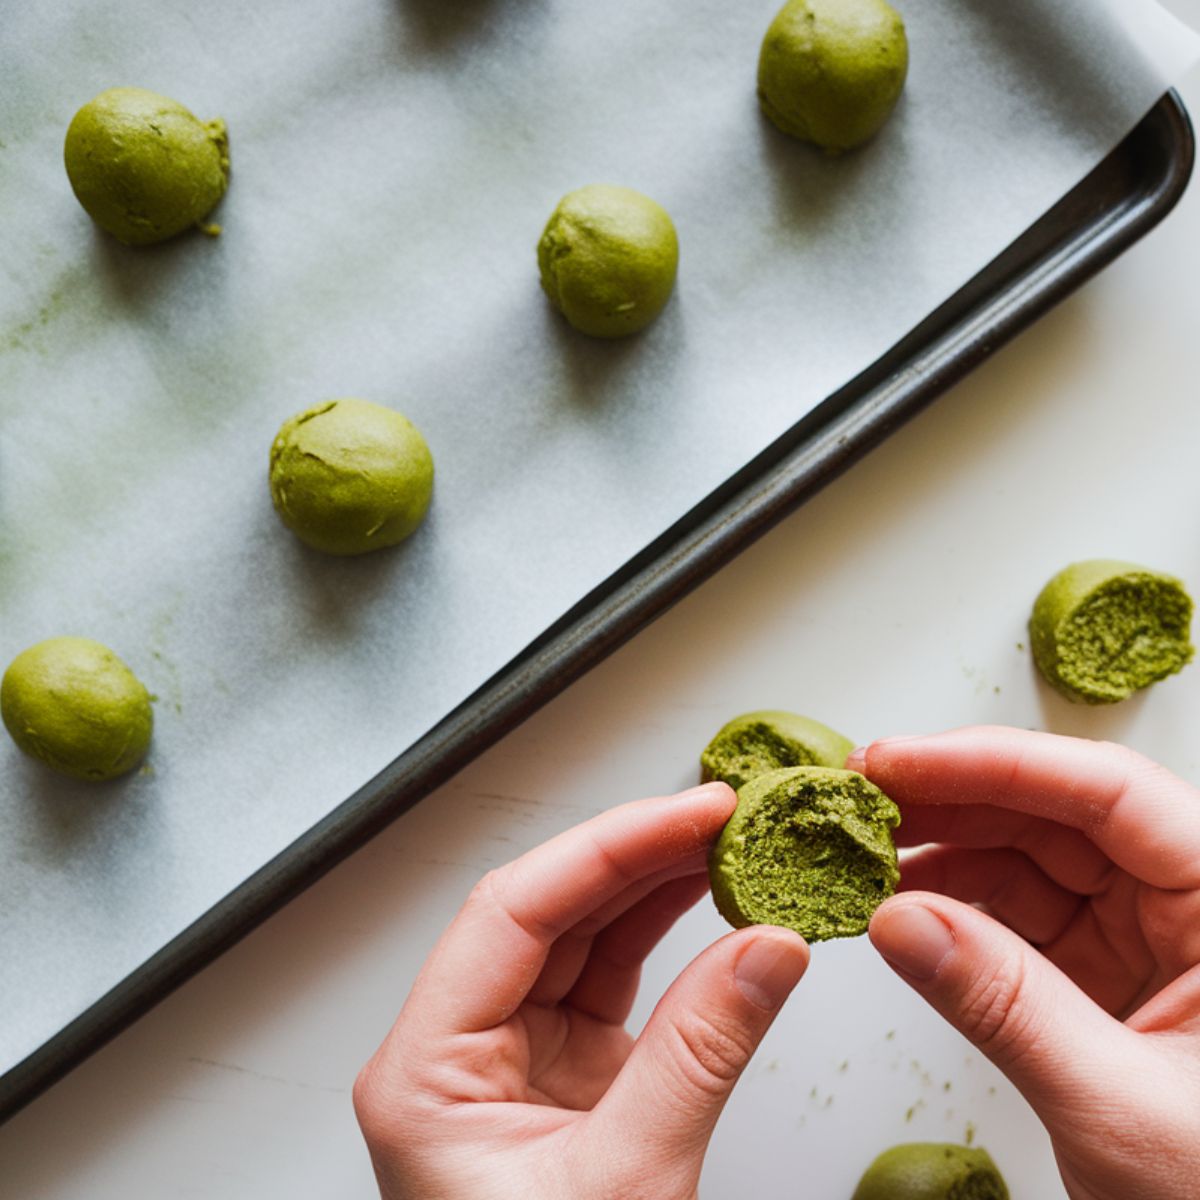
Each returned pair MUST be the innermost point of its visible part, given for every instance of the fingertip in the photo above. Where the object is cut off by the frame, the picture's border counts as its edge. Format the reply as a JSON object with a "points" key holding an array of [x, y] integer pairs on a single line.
{"points": [[770, 963], [914, 938], [715, 792]]}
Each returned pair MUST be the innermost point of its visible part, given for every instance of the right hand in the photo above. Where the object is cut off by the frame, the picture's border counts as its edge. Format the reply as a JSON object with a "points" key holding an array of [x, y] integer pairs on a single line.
{"points": [[1083, 985]]}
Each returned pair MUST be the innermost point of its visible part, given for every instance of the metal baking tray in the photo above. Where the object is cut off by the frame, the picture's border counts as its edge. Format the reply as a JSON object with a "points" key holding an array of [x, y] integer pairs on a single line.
{"points": [[1120, 201]]}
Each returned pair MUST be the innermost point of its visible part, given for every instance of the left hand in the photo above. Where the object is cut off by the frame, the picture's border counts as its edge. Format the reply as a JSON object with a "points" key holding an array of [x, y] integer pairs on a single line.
{"points": [[509, 1073]]}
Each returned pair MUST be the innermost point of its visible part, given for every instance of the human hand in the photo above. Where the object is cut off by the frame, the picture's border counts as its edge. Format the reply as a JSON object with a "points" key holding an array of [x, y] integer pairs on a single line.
{"points": [[509, 1072], [1085, 988]]}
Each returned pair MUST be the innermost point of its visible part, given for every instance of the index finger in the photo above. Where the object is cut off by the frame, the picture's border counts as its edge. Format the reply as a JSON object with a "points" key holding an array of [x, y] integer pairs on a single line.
{"points": [[1144, 818], [492, 953]]}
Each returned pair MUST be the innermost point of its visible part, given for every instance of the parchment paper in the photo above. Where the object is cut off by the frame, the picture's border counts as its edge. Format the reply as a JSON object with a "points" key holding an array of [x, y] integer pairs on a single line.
{"points": [[394, 161]]}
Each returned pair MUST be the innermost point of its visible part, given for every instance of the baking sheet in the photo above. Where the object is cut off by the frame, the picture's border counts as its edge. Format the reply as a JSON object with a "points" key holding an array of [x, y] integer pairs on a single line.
{"points": [[393, 165]]}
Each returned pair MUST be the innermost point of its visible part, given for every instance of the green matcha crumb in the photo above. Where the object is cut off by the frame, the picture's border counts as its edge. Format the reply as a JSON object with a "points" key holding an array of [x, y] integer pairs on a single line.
{"points": [[969, 1136]]}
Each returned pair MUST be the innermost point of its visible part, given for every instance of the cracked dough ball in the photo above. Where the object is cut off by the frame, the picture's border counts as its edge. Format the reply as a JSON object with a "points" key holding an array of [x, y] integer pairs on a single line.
{"points": [[348, 476], [608, 259], [143, 167], [73, 704], [830, 71]]}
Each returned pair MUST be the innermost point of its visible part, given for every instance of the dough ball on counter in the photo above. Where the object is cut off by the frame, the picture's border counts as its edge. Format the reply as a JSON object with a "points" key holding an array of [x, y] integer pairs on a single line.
{"points": [[143, 167], [73, 704], [932, 1171], [348, 476], [1102, 630]]}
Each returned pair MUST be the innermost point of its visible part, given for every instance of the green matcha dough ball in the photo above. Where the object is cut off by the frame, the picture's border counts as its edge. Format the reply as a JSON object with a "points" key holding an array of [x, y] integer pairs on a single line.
{"points": [[143, 167], [809, 848], [765, 741], [830, 71], [348, 476], [1102, 630], [608, 259], [73, 704], [932, 1171]]}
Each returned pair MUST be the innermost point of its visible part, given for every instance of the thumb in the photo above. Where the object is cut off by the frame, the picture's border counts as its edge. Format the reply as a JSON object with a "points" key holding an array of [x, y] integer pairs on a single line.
{"points": [[1061, 1050], [703, 1033]]}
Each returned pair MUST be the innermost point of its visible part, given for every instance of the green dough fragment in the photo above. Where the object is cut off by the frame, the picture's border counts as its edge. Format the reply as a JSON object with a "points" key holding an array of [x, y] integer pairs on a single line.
{"points": [[809, 848], [608, 259], [1102, 630], [932, 1171], [348, 476], [73, 704], [765, 741], [831, 71], [143, 167]]}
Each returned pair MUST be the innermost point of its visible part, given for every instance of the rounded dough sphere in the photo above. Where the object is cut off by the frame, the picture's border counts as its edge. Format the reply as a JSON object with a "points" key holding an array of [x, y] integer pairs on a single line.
{"points": [[808, 848], [608, 258], [932, 1171], [830, 71], [767, 740], [348, 476], [143, 167], [73, 704], [1102, 630]]}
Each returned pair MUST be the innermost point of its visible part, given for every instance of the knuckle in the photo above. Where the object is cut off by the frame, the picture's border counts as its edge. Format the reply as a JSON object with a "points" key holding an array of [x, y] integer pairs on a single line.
{"points": [[711, 1054], [368, 1103]]}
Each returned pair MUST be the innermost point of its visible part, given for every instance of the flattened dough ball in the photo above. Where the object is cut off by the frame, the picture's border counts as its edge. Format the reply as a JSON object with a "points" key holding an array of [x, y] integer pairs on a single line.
{"points": [[763, 741], [348, 476], [932, 1171], [808, 848], [831, 71], [1102, 630], [73, 704], [608, 258], [143, 167]]}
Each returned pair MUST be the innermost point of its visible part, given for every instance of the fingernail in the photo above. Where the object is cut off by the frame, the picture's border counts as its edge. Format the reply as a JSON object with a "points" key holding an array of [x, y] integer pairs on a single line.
{"points": [[915, 940], [856, 760], [769, 968]]}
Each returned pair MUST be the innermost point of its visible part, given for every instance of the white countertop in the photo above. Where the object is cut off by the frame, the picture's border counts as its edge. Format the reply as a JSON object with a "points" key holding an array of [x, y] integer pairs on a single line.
{"points": [[893, 602]]}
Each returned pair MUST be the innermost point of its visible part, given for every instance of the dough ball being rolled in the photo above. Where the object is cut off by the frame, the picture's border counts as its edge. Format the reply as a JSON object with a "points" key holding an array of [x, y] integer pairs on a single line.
{"points": [[1102, 630], [73, 704], [808, 848], [348, 476], [143, 167], [763, 741], [932, 1171], [831, 71], [608, 258]]}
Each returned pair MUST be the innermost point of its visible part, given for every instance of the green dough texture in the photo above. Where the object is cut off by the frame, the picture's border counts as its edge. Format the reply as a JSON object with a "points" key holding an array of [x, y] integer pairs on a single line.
{"points": [[830, 71], [143, 167], [608, 259], [809, 848], [1102, 630], [765, 741], [73, 704], [932, 1171], [349, 476]]}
